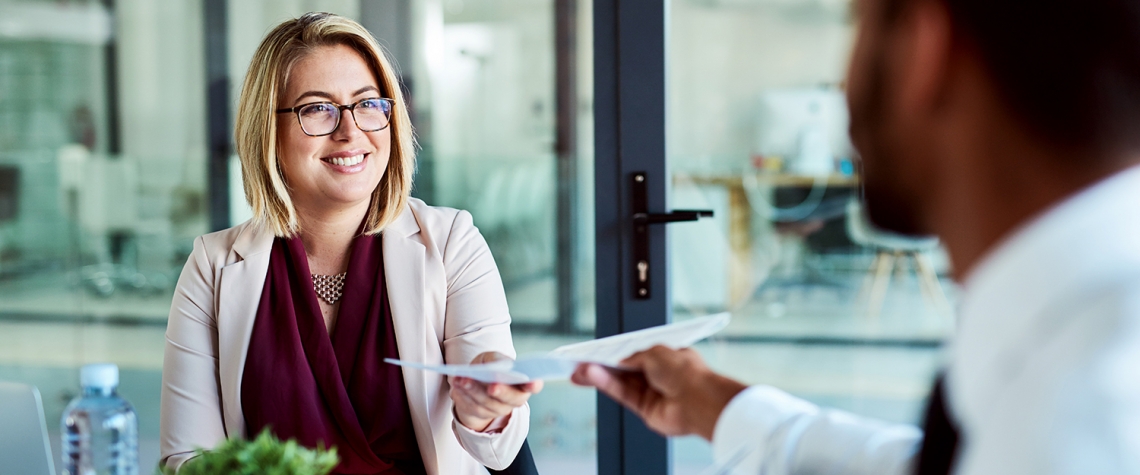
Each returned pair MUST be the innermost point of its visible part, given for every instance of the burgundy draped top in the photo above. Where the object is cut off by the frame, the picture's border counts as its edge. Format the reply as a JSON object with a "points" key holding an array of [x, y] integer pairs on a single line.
{"points": [[330, 389]]}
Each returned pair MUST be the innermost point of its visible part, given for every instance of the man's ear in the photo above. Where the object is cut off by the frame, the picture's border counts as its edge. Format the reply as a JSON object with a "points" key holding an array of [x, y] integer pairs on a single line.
{"points": [[923, 48]]}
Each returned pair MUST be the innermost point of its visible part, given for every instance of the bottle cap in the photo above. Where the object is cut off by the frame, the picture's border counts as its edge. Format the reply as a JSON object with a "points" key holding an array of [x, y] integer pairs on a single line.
{"points": [[102, 375]]}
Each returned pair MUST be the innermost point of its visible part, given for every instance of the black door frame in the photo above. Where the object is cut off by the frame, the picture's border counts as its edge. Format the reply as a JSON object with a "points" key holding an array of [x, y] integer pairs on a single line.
{"points": [[629, 131]]}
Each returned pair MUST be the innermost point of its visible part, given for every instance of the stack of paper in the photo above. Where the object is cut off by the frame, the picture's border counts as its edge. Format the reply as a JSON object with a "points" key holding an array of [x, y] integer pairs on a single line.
{"points": [[560, 363]]}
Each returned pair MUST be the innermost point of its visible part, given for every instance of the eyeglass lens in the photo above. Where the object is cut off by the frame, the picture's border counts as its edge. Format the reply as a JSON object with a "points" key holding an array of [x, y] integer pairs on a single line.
{"points": [[322, 118]]}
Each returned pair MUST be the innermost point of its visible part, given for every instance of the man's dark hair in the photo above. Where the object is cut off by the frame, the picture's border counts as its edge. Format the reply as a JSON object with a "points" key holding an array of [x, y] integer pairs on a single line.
{"points": [[1070, 69]]}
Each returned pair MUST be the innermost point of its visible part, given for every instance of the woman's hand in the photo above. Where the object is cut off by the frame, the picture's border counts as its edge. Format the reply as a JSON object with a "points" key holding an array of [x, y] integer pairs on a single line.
{"points": [[478, 404]]}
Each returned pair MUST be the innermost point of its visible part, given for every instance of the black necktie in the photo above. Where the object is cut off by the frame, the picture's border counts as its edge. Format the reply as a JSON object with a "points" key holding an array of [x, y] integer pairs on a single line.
{"points": [[940, 443]]}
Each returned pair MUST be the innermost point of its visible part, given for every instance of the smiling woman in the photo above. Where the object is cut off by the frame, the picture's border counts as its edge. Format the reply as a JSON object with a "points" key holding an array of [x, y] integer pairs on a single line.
{"points": [[282, 322], [341, 167]]}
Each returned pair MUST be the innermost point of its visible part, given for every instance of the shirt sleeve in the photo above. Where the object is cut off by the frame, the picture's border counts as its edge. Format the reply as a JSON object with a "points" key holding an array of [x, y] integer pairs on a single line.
{"points": [[191, 406], [765, 430], [478, 320]]}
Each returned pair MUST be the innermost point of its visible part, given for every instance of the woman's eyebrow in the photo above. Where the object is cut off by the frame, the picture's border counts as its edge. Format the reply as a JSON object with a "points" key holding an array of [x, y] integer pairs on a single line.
{"points": [[329, 97], [365, 89], [313, 93]]}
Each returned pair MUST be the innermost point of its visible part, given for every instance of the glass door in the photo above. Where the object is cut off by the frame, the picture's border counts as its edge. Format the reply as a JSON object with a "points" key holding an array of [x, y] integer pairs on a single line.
{"points": [[729, 105], [822, 305], [500, 94], [115, 155]]}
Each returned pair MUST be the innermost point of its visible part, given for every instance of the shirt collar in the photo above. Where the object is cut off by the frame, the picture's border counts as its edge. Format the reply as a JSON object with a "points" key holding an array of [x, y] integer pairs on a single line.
{"points": [[1088, 234], [1088, 239]]}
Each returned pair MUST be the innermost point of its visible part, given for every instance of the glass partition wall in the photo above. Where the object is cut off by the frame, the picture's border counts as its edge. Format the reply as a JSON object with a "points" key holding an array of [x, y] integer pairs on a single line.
{"points": [[102, 189], [104, 184], [105, 148], [822, 305]]}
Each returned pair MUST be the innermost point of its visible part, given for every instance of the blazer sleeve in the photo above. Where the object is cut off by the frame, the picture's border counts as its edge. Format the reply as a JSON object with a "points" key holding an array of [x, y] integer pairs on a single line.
{"points": [[191, 410], [765, 430], [477, 320]]}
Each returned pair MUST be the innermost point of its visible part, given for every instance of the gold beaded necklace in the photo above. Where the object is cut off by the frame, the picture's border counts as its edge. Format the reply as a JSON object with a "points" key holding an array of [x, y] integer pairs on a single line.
{"points": [[329, 287]]}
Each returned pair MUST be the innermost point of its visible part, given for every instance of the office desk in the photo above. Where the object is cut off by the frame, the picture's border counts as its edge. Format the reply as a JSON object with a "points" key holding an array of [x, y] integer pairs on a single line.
{"points": [[740, 215]]}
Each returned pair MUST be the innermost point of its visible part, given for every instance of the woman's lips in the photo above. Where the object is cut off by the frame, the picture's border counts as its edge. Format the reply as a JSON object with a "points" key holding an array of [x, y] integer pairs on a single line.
{"points": [[345, 161]]}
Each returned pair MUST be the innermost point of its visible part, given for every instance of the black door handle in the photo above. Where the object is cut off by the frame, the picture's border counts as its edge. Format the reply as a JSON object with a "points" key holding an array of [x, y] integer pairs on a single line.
{"points": [[642, 218], [675, 216]]}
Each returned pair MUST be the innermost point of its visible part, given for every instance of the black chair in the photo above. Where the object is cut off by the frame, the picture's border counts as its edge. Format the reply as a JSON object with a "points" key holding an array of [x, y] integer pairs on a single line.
{"points": [[523, 464]]}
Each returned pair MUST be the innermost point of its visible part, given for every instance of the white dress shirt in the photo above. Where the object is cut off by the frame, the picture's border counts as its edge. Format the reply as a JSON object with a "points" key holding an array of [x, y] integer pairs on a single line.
{"points": [[1044, 372]]}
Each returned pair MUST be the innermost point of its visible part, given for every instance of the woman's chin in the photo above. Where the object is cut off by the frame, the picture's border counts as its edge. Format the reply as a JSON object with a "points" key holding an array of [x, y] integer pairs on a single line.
{"points": [[347, 192], [334, 202], [352, 201]]}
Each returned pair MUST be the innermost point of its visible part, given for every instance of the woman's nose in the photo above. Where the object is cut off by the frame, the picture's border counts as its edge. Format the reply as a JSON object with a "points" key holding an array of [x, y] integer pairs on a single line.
{"points": [[347, 128]]}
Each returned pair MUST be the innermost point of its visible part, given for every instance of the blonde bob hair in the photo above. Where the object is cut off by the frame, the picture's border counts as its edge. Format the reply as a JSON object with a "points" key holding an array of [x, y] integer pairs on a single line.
{"points": [[255, 131]]}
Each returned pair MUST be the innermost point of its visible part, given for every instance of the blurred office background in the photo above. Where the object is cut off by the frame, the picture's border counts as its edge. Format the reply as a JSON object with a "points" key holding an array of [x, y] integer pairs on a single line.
{"points": [[115, 120]]}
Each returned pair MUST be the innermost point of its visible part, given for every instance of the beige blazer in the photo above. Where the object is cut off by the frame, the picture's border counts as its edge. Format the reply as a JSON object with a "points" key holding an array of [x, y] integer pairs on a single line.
{"points": [[447, 305]]}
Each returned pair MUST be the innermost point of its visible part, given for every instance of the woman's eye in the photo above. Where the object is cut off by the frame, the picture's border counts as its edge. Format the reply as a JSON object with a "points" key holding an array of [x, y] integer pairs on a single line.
{"points": [[317, 109], [371, 104]]}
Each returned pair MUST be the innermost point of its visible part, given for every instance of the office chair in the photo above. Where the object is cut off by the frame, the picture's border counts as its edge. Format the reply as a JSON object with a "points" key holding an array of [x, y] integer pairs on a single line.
{"points": [[890, 251], [523, 464]]}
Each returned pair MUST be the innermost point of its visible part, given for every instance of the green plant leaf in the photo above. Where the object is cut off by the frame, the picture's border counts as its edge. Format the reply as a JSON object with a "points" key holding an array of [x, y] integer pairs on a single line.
{"points": [[264, 455]]}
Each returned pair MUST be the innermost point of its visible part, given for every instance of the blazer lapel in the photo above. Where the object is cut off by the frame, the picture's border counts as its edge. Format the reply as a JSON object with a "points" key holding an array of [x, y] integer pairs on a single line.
{"points": [[238, 292], [239, 289], [404, 268]]}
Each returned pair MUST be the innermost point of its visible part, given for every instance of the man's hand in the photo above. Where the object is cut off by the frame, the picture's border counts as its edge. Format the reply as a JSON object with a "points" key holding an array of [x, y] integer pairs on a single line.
{"points": [[672, 390], [478, 405]]}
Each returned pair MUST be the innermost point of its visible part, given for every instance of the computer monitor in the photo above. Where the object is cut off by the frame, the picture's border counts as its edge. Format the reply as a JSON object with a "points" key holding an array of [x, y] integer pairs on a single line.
{"points": [[805, 126], [24, 445]]}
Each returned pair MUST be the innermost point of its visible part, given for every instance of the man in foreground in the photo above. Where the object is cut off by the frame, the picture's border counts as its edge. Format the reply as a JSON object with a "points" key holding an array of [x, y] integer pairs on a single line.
{"points": [[1011, 130]]}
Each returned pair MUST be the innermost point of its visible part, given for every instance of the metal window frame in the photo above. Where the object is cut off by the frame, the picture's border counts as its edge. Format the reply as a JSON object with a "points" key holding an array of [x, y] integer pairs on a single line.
{"points": [[219, 118]]}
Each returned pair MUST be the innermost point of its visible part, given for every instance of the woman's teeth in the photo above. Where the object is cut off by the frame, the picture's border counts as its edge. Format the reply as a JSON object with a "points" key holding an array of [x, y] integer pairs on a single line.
{"points": [[347, 161]]}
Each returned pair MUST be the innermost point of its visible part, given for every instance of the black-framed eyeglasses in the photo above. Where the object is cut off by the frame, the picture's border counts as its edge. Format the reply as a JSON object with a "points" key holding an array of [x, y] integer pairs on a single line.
{"points": [[322, 118]]}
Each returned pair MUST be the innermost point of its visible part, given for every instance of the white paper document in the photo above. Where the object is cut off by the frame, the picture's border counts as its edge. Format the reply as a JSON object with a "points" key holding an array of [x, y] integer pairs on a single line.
{"points": [[560, 363]]}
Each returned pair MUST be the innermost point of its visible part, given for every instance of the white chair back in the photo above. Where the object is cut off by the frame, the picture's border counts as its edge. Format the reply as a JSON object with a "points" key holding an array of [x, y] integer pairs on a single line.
{"points": [[864, 233], [24, 446]]}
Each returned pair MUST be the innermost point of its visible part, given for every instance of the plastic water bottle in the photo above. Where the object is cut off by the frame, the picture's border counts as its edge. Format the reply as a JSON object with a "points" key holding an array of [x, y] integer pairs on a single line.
{"points": [[99, 428]]}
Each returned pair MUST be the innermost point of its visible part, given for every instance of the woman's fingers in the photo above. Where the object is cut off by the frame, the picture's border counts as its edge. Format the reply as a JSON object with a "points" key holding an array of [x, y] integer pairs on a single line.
{"points": [[465, 405], [490, 400], [480, 394], [513, 396], [489, 357], [533, 387], [477, 403]]}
